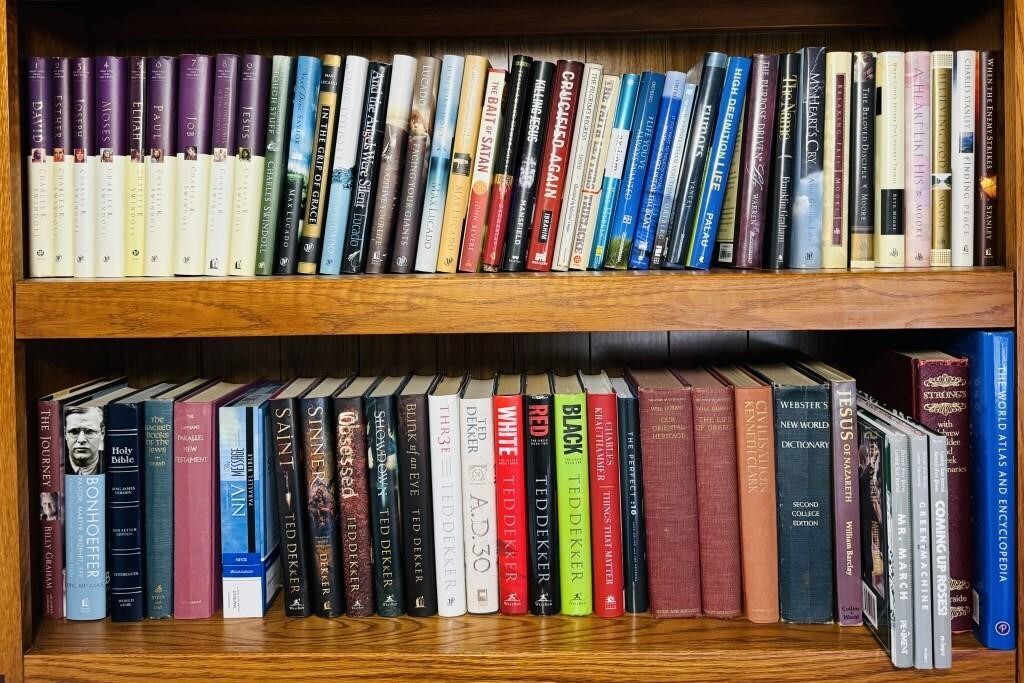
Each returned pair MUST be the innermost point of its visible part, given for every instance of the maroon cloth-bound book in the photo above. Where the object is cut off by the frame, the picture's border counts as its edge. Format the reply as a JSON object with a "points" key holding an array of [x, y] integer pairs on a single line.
{"points": [[670, 493], [932, 388]]}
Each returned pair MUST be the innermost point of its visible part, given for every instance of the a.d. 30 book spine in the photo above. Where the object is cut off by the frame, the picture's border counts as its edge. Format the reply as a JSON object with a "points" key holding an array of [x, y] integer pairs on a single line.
{"points": [[222, 168], [808, 194], [63, 159], [542, 516], [112, 170], [161, 166], [890, 160], [84, 166], [835, 244], [918, 197], [986, 164], [195, 103], [39, 170], [479, 517], [135, 220], [417, 506], [321, 500], [384, 506], [354, 497], [780, 218], [965, 102], [286, 433], [282, 80], [862, 161], [941, 82]]}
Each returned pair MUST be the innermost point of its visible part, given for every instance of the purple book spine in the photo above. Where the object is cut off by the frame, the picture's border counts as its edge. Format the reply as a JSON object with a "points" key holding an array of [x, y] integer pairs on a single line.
{"points": [[161, 105], [137, 108], [40, 107], [111, 104], [846, 502], [755, 162], [225, 101], [195, 100], [60, 96], [82, 99], [253, 99]]}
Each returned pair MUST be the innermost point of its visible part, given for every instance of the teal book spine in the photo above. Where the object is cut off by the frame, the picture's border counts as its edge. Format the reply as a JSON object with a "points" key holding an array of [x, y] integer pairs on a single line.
{"points": [[158, 484]]}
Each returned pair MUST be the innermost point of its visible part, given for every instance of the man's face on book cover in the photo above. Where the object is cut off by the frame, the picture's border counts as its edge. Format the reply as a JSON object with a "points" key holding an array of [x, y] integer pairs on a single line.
{"points": [[84, 435]]}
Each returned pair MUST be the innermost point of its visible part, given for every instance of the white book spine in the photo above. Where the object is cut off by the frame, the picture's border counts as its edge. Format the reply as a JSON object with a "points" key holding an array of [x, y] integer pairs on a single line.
{"points": [[478, 496], [135, 224], [111, 214], [890, 160], [579, 155], [63, 217], [40, 213], [191, 201], [921, 548], [160, 215], [84, 216], [245, 218], [446, 487], [835, 252], [219, 211], [942, 634], [965, 77], [900, 534]]}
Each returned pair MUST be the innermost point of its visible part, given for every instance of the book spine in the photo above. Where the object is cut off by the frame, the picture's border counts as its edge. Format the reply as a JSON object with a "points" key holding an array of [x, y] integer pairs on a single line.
{"points": [[808, 194], [238, 493], [112, 175], [573, 492], [448, 97], [483, 170], [631, 489], [282, 80], [83, 142], [675, 167], [39, 169], [583, 134], [862, 162], [835, 245], [524, 193], [755, 163], [417, 160], [124, 512], [725, 238], [657, 167], [510, 488], [986, 164], [392, 160], [709, 207], [918, 210], [941, 83], [161, 163], [627, 206], [417, 506], [920, 551], [135, 224], [542, 518], [846, 503], [965, 86], [192, 181], [354, 496], [890, 160], [605, 499], [300, 149], [63, 185], [290, 468], [322, 507], [371, 140], [938, 493], [784, 163], [222, 168], [900, 556], [385, 523], [84, 532], [875, 520], [318, 182], [467, 129], [250, 162], [158, 488], [506, 161], [50, 430], [476, 425], [446, 486], [343, 171]]}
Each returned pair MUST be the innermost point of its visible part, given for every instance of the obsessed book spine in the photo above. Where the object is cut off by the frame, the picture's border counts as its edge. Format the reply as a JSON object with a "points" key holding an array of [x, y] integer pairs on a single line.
{"points": [[986, 164], [510, 487], [222, 168], [135, 224], [286, 433], [783, 164], [808, 195], [385, 520], [282, 80], [83, 142], [446, 485], [250, 161], [192, 175], [161, 166], [605, 510], [39, 171], [322, 507], [755, 162], [63, 160], [918, 209], [354, 496], [835, 245], [941, 156], [862, 162], [417, 506], [965, 100], [158, 488], [112, 174], [542, 517]]}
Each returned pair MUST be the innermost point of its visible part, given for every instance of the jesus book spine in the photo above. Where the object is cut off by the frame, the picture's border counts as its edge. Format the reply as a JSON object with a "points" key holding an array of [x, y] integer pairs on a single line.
{"points": [[965, 96], [222, 168], [83, 142], [63, 185], [890, 160], [986, 164], [195, 101], [135, 225], [250, 161], [835, 245], [918, 209], [161, 162], [112, 178], [354, 496], [40, 169], [282, 78], [942, 156]]}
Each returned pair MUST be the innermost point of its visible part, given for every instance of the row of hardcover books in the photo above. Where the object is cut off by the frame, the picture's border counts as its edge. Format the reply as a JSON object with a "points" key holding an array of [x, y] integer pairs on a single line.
{"points": [[721, 492], [247, 165]]}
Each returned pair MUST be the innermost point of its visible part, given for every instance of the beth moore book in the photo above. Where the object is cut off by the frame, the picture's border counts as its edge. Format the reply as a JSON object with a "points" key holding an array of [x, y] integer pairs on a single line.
{"points": [[890, 160]]}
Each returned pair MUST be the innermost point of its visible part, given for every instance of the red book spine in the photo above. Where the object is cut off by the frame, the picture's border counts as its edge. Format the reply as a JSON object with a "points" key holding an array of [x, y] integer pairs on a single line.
{"points": [[555, 158], [51, 492], [477, 213], [605, 501], [497, 219], [714, 441], [510, 475]]}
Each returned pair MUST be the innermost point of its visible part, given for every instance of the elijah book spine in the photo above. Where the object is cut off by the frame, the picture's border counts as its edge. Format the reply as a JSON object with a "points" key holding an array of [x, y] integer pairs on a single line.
{"points": [[135, 224]]}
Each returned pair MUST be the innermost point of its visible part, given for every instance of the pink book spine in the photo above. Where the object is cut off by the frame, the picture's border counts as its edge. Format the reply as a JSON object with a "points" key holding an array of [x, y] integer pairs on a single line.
{"points": [[918, 197]]}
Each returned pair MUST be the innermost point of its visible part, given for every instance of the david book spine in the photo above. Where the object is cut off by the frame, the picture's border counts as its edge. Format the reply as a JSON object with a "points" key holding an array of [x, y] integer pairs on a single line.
{"points": [[755, 162], [354, 496], [862, 161], [890, 160], [571, 472], [510, 487], [986, 163], [448, 96], [918, 209], [135, 224], [605, 510], [808, 194], [446, 486], [835, 244], [161, 165], [84, 533], [417, 506], [222, 168], [192, 181], [63, 159], [964, 111], [938, 492], [250, 148], [292, 210], [941, 82], [83, 141], [343, 171], [675, 167], [385, 521], [542, 516], [321, 498], [392, 160], [112, 174], [286, 432], [318, 182], [846, 502], [50, 430], [124, 511], [417, 161], [631, 490], [476, 425], [371, 140], [780, 218], [39, 167], [158, 487], [282, 81], [524, 193], [506, 161]]}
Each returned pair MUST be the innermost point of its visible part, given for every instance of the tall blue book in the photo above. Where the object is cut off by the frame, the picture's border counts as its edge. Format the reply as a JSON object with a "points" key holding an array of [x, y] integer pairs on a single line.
{"points": [[716, 174], [990, 360], [250, 566], [808, 191], [657, 170]]}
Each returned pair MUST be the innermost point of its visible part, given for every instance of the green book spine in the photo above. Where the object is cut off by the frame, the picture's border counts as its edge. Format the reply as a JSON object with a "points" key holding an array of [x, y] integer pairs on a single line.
{"points": [[278, 126], [573, 491]]}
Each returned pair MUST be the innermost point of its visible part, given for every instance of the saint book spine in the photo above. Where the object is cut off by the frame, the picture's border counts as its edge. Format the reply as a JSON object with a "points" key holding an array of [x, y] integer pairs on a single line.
{"points": [[542, 518], [941, 83], [986, 164], [808, 194], [571, 471], [112, 174], [890, 160], [158, 488], [446, 485], [135, 223], [476, 425], [385, 524], [50, 430], [780, 218], [124, 511], [510, 486], [161, 164], [862, 162], [417, 506], [222, 169], [605, 499], [835, 244], [918, 210], [291, 510], [321, 491], [63, 160], [282, 80], [354, 496], [965, 100], [192, 177], [83, 142], [39, 167]]}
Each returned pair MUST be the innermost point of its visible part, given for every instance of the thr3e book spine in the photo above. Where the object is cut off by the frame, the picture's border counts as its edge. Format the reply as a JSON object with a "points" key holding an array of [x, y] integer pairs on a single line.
{"points": [[385, 521], [631, 486], [318, 183], [510, 487], [808, 196], [195, 103], [161, 166], [986, 163], [282, 80], [965, 100], [135, 223], [941, 66], [917, 126], [542, 518], [890, 160], [84, 167], [446, 484], [59, 69], [862, 161], [222, 169], [111, 176], [780, 217], [39, 172], [835, 244], [476, 425]]}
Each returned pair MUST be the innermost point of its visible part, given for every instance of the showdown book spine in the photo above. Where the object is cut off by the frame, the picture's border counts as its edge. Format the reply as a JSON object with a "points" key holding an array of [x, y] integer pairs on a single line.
{"points": [[112, 171], [835, 245], [39, 170], [222, 168], [942, 156], [510, 487], [161, 166], [808, 194], [918, 209], [986, 163], [282, 81], [83, 140], [386, 522], [417, 506], [321, 501], [784, 164], [542, 516], [354, 498], [192, 175], [755, 162], [965, 101], [446, 485], [135, 223], [862, 162], [63, 159], [286, 432]]}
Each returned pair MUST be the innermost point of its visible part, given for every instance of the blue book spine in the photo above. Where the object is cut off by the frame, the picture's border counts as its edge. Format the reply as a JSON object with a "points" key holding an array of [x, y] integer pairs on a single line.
{"points": [[158, 484], [709, 210], [627, 206], [124, 511], [990, 357], [675, 165], [657, 169], [808, 191], [617, 148], [300, 143], [85, 549]]}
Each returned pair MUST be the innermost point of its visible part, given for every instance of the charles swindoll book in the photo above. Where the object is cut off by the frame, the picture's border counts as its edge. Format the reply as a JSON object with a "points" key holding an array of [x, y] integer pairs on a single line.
{"points": [[63, 159], [111, 174], [39, 171], [161, 166], [222, 168], [192, 175], [282, 79], [250, 147], [135, 222], [84, 167]]}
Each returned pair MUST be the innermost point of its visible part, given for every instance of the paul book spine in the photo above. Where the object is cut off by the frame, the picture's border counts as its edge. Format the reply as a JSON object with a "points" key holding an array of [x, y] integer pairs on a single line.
{"points": [[417, 506], [354, 496], [282, 80], [50, 430], [321, 500], [964, 111], [510, 487], [890, 161], [846, 502], [39, 168], [161, 166], [446, 485], [222, 167], [83, 141], [476, 425], [250, 148], [124, 511], [784, 164], [675, 167], [385, 520], [542, 516], [318, 183], [941, 70], [158, 487], [286, 432], [112, 174], [571, 471], [808, 194], [192, 181], [835, 244], [862, 161], [918, 209], [755, 162], [605, 499], [986, 163], [135, 224], [63, 160], [631, 488]]}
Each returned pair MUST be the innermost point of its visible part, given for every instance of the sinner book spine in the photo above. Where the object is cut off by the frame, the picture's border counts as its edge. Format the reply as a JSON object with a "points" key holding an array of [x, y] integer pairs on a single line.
{"points": [[322, 507]]}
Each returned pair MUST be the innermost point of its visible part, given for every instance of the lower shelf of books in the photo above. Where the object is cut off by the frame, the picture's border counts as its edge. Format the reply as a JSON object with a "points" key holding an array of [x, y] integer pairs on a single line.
{"points": [[494, 647]]}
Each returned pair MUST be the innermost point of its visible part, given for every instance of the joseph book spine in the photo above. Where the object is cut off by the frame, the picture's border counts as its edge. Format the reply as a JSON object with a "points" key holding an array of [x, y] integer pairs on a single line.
{"points": [[158, 488], [862, 161], [835, 244], [755, 162], [446, 485], [942, 156], [385, 520], [417, 506], [917, 113], [222, 168], [510, 487], [354, 496], [124, 511], [50, 431], [63, 160], [808, 195], [195, 103], [282, 80], [161, 164], [965, 101], [83, 141], [286, 432], [780, 218], [322, 507], [250, 163], [542, 517], [112, 174], [986, 165], [39, 168], [135, 223]]}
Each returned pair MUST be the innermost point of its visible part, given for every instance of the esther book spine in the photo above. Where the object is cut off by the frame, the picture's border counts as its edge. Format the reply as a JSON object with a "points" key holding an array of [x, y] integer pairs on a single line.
{"points": [[83, 142], [392, 160], [124, 511], [510, 487], [161, 164], [862, 162], [158, 492], [417, 506], [755, 162], [222, 168], [890, 160], [321, 497], [282, 80], [918, 210], [63, 160], [986, 164], [39, 169], [941, 82], [318, 182], [291, 506], [112, 174], [85, 521], [135, 224], [343, 170], [835, 245], [192, 173], [808, 195], [964, 109], [605, 499], [354, 498], [50, 431], [385, 521], [417, 162], [542, 517], [573, 492], [250, 148], [446, 485], [476, 425]]}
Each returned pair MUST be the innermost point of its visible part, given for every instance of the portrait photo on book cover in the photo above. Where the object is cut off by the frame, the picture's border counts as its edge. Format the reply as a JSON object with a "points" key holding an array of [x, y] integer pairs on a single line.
{"points": [[49, 506], [871, 494], [156, 155], [83, 438]]}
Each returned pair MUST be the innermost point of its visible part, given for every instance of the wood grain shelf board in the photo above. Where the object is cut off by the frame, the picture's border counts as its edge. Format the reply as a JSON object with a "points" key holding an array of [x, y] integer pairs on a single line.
{"points": [[522, 302]]}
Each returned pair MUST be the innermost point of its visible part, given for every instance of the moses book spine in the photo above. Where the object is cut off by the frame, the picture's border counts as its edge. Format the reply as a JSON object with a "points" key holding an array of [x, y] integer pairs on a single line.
{"points": [[222, 169], [291, 507], [917, 112], [59, 69], [605, 499], [965, 100], [161, 166], [542, 517], [385, 521], [83, 142], [835, 245], [780, 218], [195, 107], [862, 161], [158, 488], [941, 65], [250, 161], [282, 81], [322, 507], [986, 164], [510, 487], [135, 223], [124, 510], [354, 497], [808, 194], [39, 168], [417, 506], [112, 174], [446, 485]]}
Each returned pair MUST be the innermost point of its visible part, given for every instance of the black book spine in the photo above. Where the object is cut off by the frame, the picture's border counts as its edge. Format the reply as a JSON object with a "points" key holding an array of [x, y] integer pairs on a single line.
{"points": [[525, 192], [634, 537], [862, 159], [284, 429], [691, 176], [385, 523], [124, 511], [371, 140], [322, 506], [541, 506], [417, 506], [287, 250], [784, 164]]}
